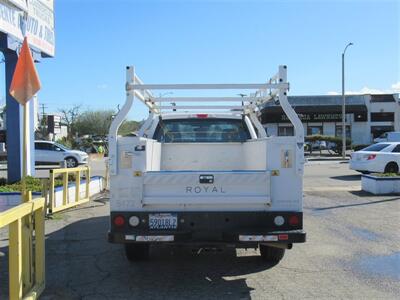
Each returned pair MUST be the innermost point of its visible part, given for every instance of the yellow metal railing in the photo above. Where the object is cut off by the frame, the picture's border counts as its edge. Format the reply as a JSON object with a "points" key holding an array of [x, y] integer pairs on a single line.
{"points": [[26, 250], [66, 201]]}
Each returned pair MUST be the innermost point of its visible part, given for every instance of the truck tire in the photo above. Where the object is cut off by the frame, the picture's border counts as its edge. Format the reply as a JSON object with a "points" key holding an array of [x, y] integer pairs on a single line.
{"points": [[137, 252], [392, 167], [271, 254]]}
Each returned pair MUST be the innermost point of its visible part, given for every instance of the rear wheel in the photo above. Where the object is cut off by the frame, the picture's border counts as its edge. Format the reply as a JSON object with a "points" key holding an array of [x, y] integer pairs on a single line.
{"points": [[271, 254], [392, 167], [137, 252]]}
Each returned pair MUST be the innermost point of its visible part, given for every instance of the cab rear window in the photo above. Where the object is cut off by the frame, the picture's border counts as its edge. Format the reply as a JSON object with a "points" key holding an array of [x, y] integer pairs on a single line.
{"points": [[201, 131]]}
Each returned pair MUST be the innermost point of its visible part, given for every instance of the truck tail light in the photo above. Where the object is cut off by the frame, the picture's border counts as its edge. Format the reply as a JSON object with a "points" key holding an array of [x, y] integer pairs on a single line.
{"points": [[294, 220], [119, 221], [371, 156], [202, 116]]}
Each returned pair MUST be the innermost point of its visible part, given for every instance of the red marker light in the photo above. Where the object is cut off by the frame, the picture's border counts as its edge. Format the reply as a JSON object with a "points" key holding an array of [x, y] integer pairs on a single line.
{"points": [[371, 156], [202, 116], [119, 221]]}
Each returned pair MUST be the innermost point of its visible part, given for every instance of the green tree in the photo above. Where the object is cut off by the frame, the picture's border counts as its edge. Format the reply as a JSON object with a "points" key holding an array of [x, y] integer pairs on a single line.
{"points": [[94, 122], [127, 127]]}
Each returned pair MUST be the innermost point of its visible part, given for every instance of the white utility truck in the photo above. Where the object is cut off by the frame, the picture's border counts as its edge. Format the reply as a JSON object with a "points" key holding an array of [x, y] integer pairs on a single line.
{"points": [[206, 175]]}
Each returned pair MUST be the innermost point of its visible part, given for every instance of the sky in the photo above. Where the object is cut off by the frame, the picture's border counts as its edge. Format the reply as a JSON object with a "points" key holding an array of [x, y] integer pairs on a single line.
{"points": [[218, 42]]}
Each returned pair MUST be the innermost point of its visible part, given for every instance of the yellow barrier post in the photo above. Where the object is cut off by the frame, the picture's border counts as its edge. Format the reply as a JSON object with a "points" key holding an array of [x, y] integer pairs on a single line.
{"points": [[65, 188], [87, 182], [40, 247], [15, 259], [27, 236], [77, 185], [15, 218], [51, 192]]}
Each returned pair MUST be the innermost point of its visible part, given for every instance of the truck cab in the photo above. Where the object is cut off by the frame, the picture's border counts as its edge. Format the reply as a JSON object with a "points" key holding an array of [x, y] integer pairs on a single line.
{"points": [[206, 178]]}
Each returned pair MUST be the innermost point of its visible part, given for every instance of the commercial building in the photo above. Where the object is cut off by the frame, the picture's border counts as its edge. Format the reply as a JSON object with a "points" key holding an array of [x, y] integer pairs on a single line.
{"points": [[367, 116]]}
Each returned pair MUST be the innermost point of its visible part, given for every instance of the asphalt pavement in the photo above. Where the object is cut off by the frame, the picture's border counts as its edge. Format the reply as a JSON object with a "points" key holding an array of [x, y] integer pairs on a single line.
{"points": [[352, 252]]}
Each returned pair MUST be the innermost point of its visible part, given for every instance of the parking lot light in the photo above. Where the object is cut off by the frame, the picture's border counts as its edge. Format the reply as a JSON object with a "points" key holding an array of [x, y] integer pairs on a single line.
{"points": [[344, 106]]}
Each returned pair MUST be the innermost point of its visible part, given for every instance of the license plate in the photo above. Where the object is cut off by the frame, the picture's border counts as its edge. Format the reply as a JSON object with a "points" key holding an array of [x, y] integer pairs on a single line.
{"points": [[163, 221]]}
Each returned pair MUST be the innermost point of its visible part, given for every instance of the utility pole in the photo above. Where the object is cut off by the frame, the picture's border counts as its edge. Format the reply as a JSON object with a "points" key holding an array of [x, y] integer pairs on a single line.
{"points": [[43, 121], [43, 108], [344, 106]]}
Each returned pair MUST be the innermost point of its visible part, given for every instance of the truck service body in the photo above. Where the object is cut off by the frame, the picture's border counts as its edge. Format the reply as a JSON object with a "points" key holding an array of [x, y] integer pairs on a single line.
{"points": [[206, 175]]}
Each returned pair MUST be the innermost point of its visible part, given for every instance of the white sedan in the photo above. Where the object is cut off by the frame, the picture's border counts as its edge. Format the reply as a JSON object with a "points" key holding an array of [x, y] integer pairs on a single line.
{"points": [[52, 153], [381, 158]]}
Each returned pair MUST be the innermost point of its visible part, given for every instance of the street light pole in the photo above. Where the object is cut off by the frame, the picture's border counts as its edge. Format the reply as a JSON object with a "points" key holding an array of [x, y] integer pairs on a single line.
{"points": [[344, 106]]}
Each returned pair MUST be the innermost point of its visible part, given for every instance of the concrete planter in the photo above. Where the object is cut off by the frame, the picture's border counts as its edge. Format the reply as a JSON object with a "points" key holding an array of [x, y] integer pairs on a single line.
{"points": [[95, 187], [10, 199], [378, 185]]}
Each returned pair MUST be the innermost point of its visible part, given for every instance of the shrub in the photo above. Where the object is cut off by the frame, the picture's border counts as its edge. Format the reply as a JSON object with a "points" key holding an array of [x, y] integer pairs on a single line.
{"points": [[386, 174], [327, 138], [32, 184], [71, 177]]}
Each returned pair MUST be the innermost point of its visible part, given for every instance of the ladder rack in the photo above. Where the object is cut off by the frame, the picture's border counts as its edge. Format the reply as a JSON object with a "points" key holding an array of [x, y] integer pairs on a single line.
{"points": [[276, 88], [264, 92]]}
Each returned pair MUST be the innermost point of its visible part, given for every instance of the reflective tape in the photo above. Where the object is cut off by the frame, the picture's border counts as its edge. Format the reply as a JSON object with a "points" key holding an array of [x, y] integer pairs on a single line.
{"points": [[258, 238], [154, 238]]}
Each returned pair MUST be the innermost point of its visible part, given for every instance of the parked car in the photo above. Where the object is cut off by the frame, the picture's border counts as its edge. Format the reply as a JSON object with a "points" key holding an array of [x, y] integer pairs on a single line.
{"points": [[380, 158], [393, 136], [47, 152]]}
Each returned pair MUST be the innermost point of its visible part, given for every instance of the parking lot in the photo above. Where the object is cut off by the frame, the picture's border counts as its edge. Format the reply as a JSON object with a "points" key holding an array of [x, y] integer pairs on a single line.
{"points": [[352, 251]]}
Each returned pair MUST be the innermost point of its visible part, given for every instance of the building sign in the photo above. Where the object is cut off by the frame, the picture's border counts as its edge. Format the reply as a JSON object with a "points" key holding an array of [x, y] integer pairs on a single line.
{"points": [[316, 117], [311, 117], [40, 25]]}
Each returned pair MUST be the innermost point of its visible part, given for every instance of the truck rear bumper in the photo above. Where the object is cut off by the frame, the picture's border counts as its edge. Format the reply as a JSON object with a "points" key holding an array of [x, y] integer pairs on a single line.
{"points": [[245, 239], [238, 228]]}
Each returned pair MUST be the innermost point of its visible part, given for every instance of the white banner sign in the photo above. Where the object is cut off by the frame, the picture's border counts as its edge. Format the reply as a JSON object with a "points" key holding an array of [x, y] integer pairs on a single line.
{"points": [[40, 25]]}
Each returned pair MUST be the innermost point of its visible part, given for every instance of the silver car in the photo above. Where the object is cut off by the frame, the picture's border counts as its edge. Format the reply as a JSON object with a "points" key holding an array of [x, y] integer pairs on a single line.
{"points": [[47, 152]]}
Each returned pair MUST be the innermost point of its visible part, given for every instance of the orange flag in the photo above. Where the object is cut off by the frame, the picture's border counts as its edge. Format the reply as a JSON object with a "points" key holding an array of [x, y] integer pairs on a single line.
{"points": [[25, 83]]}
